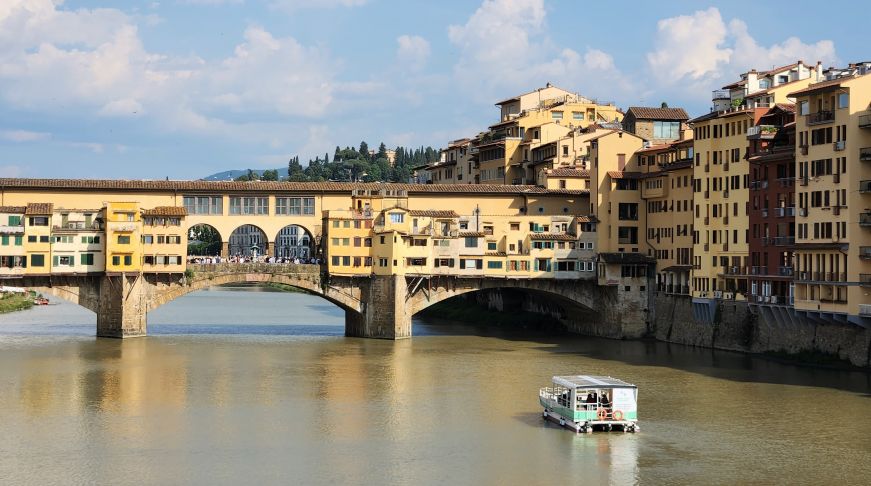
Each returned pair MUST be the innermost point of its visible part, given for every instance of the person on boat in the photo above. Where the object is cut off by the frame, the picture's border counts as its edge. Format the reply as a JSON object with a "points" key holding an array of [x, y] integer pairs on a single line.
{"points": [[605, 402], [591, 398]]}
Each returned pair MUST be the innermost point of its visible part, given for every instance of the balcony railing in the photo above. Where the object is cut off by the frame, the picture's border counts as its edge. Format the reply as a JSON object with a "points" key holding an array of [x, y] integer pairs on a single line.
{"points": [[786, 271], [821, 117], [786, 181], [865, 279], [759, 185], [864, 186], [864, 219], [762, 131], [782, 212], [865, 310], [865, 252], [839, 145], [865, 121], [865, 154], [627, 241]]}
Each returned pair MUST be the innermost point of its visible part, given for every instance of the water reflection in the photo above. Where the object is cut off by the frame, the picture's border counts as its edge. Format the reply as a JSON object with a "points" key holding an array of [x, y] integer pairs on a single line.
{"points": [[448, 406]]}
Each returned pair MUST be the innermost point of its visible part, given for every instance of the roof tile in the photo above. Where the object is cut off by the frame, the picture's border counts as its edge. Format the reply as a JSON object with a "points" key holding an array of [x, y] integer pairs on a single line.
{"points": [[39, 208], [648, 113], [165, 211]]}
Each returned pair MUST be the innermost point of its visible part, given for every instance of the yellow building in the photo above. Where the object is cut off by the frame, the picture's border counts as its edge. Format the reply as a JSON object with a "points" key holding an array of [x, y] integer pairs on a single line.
{"points": [[565, 178], [13, 257], [527, 121], [667, 194], [78, 241], [123, 237], [37, 232], [164, 240], [833, 243]]}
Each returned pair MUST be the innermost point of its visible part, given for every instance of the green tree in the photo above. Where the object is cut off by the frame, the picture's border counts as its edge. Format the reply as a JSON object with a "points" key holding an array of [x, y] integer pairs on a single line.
{"points": [[269, 175], [364, 150]]}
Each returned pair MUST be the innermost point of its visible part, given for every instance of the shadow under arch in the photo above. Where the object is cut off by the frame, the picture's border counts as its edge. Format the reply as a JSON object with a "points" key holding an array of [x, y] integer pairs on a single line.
{"points": [[295, 241], [204, 240], [307, 282], [248, 240]]}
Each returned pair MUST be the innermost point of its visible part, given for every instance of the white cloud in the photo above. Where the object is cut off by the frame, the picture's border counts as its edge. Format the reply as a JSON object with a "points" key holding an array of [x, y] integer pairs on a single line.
{"points": [[700, 52], [504, 47], [413, 51], [94, 62], [97, 148], [23, 136]]}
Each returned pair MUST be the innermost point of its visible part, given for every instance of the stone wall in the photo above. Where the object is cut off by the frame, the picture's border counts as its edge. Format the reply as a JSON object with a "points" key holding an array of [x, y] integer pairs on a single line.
{"points": [[738, 326]]}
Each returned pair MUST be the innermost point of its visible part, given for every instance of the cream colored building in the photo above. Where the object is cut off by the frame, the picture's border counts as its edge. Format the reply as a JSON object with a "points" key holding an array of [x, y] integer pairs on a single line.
{"points": [[764, 89], [78, 241], [13, 257], [667, 195], [833, 158]]}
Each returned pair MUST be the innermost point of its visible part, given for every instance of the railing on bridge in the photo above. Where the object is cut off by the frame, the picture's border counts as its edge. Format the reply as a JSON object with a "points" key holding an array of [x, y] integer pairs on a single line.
{"points": [[227, 267]]}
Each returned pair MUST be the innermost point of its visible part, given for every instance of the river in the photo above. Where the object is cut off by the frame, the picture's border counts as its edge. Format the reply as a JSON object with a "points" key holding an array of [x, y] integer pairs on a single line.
{"points": [[240, 386]]}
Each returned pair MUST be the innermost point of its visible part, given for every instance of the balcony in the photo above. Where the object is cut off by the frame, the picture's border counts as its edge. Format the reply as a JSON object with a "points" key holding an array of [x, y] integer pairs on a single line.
{"points": [[785, 271], [821, 117], [627, 241], [865, 310], [839, 145], [865, 252], [757, 185], [864, 187], [864, 219], [762, 132], [802, 149], [786, 181], [803, 180], [865, 121], [764, 212], [782, 212], [865, 279], [865, 154], [802, 212], [720, 94]]}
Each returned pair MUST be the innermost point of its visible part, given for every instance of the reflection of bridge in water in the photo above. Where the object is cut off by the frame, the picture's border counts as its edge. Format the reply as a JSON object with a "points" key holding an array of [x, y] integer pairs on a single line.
{"points": [[375, 306]]}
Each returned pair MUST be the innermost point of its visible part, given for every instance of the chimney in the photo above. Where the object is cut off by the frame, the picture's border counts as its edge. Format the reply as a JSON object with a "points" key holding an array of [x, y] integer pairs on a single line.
{"points": [[819, 73]]}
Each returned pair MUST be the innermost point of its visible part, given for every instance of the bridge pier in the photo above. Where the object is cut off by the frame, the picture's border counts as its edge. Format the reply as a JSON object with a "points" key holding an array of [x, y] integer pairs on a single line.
{"points": [[122, 307], [385, 313]]}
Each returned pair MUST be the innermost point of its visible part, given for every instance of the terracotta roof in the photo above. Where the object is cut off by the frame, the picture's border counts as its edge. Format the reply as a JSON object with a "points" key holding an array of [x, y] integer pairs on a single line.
{"points": [[271, 187], [165, 211], [790, 107], [654, 148], [619, 174], [832, 83], [434, 213], [568, 172], [496, 253], [13, 209], [586, 219], [777, 69], [39, 208], [465, 234], [625, 258], [648, 113], [552, 236]]}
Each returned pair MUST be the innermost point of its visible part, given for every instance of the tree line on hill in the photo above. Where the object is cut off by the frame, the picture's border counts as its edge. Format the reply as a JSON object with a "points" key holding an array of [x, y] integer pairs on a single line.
{"points": [[350, 164]]}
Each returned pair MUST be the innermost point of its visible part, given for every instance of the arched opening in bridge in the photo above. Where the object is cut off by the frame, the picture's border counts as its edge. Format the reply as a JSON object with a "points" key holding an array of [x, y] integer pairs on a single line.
{"points": [[294, 241], [204, 240], [248, 241]]}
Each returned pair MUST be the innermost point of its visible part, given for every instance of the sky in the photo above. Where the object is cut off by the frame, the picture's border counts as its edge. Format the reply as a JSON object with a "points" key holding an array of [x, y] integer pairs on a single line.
{"points": [[186, 88]]}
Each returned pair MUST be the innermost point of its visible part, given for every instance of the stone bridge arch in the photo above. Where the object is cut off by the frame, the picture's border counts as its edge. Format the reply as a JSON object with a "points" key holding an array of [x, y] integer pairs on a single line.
{"points": [[580, 305], [305, 277]]}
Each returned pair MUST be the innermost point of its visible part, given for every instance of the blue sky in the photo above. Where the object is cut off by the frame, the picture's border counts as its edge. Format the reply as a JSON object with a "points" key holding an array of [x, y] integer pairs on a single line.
{"points": [[185, 88]]}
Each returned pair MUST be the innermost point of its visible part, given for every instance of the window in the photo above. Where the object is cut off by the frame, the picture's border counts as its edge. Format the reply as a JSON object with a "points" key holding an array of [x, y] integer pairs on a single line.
{"points": [[764, 84], [31, 238], [666, 129], [19, 240], [556, 115], [566, 266], [4, 240], [471, 242], [116, 260], [123, 239], [577, 115], [843, 100], [63, 261], [147, 239], [628, 211], [128, 260], [335, 261], [494, 264], [491, 245], [44, 239], [397, 217], [14, 220], [37, 260], [803, 108], [39, 221], [295, 206], [627, 234], [86, 258], [249, 205]]}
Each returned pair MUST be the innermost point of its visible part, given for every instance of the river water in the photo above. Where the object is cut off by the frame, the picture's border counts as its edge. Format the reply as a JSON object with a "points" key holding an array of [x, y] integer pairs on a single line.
{"points": [[237, 386]]}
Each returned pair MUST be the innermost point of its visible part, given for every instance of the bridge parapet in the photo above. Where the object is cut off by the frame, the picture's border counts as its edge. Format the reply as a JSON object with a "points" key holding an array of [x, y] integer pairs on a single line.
{"points": [[265, 268]]}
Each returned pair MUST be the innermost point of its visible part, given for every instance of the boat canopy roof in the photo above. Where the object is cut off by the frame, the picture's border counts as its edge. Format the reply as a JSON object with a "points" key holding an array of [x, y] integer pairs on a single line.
{"points": [[587, 381]]}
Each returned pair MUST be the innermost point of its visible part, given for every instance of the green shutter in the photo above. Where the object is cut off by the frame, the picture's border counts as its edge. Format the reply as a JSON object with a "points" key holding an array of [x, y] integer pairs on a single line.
{"points": [[55, 260], [5, 240], [18, 240]]}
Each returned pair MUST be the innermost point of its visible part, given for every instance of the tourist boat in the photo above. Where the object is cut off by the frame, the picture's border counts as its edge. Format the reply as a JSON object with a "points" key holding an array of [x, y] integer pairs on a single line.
{"points": [[583, 403], [40, 301]]}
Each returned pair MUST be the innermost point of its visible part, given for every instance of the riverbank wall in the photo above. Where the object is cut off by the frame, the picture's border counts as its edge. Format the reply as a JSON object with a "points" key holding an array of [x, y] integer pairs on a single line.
{"points": [[774, 331]]}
